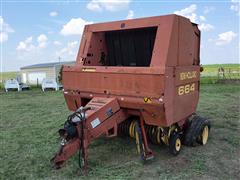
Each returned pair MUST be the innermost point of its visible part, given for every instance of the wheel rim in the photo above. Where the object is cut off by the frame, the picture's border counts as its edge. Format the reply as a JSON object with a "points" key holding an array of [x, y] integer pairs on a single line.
{"points": [[205, 135], [178, 144]]}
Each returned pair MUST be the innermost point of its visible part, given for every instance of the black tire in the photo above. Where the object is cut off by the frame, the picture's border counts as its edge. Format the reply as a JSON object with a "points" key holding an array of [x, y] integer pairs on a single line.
{"points": [[195, 127], [175, 143]]}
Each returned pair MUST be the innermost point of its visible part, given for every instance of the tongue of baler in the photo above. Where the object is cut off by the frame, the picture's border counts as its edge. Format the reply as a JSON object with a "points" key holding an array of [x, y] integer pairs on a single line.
{"points": [[99, 116]]}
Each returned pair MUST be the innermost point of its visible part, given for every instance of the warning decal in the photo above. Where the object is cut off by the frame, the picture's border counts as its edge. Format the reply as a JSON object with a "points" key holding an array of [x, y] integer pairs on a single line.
{"points": [[147, 100], [95, 122]]}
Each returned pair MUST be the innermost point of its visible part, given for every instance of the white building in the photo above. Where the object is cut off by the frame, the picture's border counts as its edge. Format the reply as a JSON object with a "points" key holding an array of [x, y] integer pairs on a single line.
{"points": [[34, 74]]}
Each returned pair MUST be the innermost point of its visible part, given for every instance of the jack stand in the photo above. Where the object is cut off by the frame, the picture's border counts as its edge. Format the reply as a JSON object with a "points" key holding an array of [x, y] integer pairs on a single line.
{"points": [[141, 142]]}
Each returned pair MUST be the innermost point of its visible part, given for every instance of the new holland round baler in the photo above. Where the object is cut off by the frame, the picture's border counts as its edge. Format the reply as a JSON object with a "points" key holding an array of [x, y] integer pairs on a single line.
{"points": [[138, 78]]}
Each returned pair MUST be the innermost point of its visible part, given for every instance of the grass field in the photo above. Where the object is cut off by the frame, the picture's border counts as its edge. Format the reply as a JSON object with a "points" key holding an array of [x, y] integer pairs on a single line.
{"points": [[210, 74], [8, 75], [214, 67], [30, 120]]}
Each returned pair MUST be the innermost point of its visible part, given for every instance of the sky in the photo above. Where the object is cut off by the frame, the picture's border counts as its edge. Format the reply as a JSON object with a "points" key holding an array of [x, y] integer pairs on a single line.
{"points": [[42, 31]]}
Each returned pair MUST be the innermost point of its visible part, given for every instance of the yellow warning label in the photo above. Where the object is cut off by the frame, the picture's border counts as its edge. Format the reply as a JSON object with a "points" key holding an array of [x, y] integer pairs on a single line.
{"points": [[147, 100]]}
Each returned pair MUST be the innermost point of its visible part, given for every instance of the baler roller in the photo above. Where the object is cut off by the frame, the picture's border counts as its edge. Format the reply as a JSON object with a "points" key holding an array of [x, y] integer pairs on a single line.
{"points": [[154, 134]]}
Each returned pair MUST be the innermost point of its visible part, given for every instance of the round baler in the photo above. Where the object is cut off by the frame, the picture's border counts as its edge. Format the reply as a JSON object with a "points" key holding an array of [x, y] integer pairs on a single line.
{"points": [[138, 78]]}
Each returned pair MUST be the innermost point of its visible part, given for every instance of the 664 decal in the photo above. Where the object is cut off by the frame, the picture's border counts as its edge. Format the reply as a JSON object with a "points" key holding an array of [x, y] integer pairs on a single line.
{"points": [[186, 89]]}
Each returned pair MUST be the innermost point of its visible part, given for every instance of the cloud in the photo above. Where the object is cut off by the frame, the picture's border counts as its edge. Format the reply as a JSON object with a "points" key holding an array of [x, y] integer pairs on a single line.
{"points": [[188, 12], [208, 9], [202, 18], [108, 5], [74, 27], [26, 45], [94, 6], [42, 41], [3, 37], [225, 38], [69, 50], [4, 26], [5, 29], [235, 6], [57, 43], [53, 14], [210, 40], [206, 27], [130, 14]]}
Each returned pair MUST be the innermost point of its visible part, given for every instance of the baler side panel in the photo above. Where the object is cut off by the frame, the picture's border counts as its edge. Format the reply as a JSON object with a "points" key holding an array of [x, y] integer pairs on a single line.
{"points": [[97, 49], [186, 91], [173, 48], [84, 45], [114, 83], [163, 42], [180, 106], [186, 43], [197, 38], [168, 95]]}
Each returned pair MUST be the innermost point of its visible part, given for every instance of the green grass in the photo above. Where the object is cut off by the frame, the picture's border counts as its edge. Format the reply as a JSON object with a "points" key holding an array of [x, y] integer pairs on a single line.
{"points": [[8, 75], [30, 120]]}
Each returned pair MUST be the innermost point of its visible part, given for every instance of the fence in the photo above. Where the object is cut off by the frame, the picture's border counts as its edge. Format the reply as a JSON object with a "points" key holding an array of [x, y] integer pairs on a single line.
{"points": [[214, 75]]}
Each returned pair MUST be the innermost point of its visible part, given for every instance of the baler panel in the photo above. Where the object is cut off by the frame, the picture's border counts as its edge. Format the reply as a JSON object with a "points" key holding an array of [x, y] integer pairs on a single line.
{"points": [[121, 84]]}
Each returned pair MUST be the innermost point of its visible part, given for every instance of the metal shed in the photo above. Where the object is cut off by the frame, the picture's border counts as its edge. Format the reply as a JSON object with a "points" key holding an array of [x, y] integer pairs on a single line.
{"points": [[34, 74]]}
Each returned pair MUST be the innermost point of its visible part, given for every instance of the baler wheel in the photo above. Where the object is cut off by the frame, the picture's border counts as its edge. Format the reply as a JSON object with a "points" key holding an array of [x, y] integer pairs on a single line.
{"points": [[198, 128], [175, 143], [203, 138]]}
